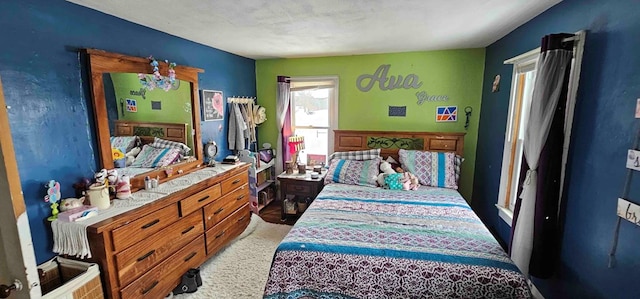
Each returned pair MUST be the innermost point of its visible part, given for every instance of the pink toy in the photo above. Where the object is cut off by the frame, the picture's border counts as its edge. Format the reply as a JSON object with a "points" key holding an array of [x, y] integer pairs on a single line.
{"points": [[123, 187]]}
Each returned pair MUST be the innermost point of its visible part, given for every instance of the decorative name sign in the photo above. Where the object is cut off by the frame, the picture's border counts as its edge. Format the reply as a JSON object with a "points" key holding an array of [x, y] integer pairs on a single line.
{"points": [[423, 96], [141, 92], [633, 160], [629, 211], [387, 83]]}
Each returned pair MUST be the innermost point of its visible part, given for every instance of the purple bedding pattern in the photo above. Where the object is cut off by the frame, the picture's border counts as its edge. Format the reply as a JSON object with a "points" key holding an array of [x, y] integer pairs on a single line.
{"points": [[363, 242]]}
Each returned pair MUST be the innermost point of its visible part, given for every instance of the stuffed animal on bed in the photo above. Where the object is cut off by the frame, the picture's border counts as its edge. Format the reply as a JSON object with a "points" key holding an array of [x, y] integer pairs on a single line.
{"points": [[409, 181], [130, 156], [385, 168]]}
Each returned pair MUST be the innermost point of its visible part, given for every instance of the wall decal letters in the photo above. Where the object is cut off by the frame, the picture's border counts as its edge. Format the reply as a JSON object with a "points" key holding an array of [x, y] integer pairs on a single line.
{"points": [[424, 96], [138, 93], [380, 76]]}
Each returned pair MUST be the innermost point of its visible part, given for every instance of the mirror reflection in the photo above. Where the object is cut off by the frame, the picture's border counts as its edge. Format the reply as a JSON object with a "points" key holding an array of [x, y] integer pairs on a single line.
{"points": [[149, 129]]}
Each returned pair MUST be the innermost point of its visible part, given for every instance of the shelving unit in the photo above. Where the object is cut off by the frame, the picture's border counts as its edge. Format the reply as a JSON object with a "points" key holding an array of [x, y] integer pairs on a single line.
{"points": [[262, 180]]}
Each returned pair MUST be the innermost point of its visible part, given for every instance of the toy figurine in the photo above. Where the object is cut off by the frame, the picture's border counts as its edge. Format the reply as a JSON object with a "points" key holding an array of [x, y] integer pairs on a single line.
{"points": [[53, 196]]}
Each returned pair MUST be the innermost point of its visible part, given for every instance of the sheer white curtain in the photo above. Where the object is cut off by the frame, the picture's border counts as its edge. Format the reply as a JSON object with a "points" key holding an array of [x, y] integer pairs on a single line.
{"points": [[282, 105], [548, 88]]}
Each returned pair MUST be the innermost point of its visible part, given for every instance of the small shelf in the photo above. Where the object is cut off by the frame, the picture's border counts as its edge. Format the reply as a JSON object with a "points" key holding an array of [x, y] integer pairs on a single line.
{"points": [[264, 185]]}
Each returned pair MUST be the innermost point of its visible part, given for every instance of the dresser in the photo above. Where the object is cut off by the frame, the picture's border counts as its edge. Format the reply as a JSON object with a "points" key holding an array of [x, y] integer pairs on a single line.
{"points": [[144, 252]]}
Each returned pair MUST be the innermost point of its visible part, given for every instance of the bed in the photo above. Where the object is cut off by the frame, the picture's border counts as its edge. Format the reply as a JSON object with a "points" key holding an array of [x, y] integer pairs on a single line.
{"points": [[363, 242], [130, 134]]}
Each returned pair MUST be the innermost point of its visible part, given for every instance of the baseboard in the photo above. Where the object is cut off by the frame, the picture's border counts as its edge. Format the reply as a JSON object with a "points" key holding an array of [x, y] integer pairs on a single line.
{"points": [[534, 291]]}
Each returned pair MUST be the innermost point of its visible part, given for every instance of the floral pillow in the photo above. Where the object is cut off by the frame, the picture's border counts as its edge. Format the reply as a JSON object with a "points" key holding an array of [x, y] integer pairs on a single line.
{"points": [[353, 172], [150, 157], [434, 169]]}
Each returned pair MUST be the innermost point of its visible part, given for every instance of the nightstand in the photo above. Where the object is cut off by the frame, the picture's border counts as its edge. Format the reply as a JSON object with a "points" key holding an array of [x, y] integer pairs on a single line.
{"points": [[297, 191]]}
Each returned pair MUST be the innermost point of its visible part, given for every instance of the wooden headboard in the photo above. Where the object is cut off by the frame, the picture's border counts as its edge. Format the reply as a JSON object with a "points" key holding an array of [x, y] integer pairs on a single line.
{"points": [[391, 141], [148, 130]]}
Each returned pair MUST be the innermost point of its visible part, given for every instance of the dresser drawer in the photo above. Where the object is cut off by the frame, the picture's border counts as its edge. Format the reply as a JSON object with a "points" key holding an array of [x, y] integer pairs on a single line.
{"points": [[161, 279], [200, 199], [143, 227], [137, 259], [220, 209], [229, 228], [442, 144], [234, 182], [299, 189]]}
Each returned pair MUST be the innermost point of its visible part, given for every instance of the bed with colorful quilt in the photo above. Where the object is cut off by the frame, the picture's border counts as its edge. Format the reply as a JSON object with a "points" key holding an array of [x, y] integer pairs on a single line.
{"points": [[359, 241]]}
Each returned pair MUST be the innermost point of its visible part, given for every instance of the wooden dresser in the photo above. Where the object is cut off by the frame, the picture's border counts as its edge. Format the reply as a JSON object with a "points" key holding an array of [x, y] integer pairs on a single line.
{"points": [[143, 253]]}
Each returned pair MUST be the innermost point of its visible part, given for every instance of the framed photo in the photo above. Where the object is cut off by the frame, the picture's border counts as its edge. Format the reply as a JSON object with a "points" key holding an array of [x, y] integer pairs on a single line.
{"points": [[212, 105]]}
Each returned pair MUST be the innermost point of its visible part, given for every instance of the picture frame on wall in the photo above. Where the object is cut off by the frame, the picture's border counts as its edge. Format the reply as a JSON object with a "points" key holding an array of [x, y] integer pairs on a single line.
{"points": [[212, 105]]}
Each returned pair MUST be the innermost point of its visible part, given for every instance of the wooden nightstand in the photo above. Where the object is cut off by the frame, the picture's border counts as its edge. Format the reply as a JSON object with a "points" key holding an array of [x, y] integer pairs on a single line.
{"points": [[297, 191]]}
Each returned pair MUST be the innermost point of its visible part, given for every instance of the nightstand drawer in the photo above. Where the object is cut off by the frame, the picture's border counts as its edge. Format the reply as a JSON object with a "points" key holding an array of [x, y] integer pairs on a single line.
{"points": [[299, 189], [139, 229]]}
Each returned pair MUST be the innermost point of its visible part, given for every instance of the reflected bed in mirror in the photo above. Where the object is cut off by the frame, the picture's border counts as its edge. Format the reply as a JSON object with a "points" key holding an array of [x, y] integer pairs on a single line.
{"points": [[144, 124], [130, 115]]}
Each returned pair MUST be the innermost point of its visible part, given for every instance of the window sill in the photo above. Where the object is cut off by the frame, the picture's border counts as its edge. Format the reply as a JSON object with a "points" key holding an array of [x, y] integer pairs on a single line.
{"points": [[505, 214]]}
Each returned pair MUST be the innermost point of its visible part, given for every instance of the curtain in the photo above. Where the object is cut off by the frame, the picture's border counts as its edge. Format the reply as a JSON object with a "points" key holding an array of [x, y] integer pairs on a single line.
{"points": [[282, 105], [535, 227]]}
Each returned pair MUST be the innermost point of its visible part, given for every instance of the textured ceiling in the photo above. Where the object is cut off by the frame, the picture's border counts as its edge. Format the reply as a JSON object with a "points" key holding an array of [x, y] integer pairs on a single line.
{"points": [[310, 28]]}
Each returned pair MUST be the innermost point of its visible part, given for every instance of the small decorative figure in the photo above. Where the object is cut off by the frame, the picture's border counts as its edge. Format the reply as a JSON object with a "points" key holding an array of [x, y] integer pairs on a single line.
{"points": [[496, 84], [71, 203], [101, 177], [53, 196], [123, 187]]}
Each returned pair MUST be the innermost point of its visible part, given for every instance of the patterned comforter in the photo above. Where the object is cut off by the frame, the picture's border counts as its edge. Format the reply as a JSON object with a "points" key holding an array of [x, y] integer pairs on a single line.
{"points": [[362, 242]]}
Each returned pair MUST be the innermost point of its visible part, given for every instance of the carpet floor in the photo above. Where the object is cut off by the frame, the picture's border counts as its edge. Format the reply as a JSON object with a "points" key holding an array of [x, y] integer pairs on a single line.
{"points": [[241, 269]]}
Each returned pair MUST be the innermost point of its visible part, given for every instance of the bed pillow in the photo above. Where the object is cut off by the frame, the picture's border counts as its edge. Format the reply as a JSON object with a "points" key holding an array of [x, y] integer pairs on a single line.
{"points": [[353, 172], [356, 155], [434, 169], [124, 142], [150, 157], [163, 143]]}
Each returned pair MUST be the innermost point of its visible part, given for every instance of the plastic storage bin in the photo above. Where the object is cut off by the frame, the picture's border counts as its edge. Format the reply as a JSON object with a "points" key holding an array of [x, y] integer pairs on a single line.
{"points": [[70, 279]]}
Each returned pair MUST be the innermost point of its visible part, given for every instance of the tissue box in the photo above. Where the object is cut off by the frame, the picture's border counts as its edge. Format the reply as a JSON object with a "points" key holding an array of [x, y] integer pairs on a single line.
{"points": [[73, 214]]}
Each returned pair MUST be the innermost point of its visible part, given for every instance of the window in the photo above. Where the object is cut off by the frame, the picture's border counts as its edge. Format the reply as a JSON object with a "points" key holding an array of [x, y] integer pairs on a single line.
{"points": [[314, 106], [524, 71]]}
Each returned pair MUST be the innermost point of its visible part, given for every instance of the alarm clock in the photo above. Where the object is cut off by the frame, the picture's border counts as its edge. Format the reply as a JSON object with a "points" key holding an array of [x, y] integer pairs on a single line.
{"points": [[210, 152]]}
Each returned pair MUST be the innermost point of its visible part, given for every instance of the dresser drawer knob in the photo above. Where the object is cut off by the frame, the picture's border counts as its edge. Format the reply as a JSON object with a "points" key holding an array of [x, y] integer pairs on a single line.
{"points": [[147, 290], [242, 218], [150, 224], [220, 235], [218, 211], [148, 254], [188, 230], [203, 199], [190, 256], [235, 182], [240, 197]]}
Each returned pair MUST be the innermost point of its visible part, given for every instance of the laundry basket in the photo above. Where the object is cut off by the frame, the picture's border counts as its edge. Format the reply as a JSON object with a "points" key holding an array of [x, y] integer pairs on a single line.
{"points": [[62, 278]]}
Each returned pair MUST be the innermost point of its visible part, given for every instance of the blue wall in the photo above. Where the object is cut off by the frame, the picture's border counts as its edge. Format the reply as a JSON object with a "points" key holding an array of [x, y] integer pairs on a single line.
{"points": [[604, 128], [51, 116]]}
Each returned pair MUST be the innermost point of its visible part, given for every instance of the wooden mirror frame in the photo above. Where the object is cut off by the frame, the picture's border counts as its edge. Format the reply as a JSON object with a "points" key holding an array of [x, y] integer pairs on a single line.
{"points": [[101, 62]]}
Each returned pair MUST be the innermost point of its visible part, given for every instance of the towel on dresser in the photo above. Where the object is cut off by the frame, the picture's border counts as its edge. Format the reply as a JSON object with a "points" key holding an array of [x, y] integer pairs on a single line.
{"points": [[70, 238]]}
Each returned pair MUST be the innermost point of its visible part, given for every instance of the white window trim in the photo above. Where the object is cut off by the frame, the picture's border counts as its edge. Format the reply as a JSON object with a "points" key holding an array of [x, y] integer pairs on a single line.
{"points": [[574, 78], [333, 115]]}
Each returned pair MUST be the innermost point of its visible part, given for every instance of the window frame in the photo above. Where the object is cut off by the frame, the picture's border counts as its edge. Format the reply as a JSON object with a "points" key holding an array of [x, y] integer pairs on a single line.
{"points": [[526, 62], [333, 107]]}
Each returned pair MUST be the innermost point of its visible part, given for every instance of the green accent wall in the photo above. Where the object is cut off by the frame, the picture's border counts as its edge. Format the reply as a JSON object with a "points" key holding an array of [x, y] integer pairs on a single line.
{"points": [[457, 74], [175, 104]]}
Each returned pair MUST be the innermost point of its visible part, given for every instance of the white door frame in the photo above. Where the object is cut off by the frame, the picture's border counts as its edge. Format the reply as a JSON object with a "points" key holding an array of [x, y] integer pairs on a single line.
{"points": [[17, 257]]}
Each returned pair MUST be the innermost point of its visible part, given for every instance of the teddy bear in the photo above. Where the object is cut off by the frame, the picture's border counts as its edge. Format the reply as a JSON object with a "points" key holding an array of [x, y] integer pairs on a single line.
{"points": [[385, 168], [409, 181], [130, 156]]}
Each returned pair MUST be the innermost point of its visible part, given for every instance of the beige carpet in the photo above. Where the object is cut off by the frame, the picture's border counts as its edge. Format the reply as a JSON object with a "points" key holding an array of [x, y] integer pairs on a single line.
{"points": [[241, 269]]}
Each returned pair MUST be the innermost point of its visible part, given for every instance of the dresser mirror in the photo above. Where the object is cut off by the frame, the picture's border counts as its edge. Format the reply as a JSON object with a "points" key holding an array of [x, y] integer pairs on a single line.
{"points": [[157, 130]]}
